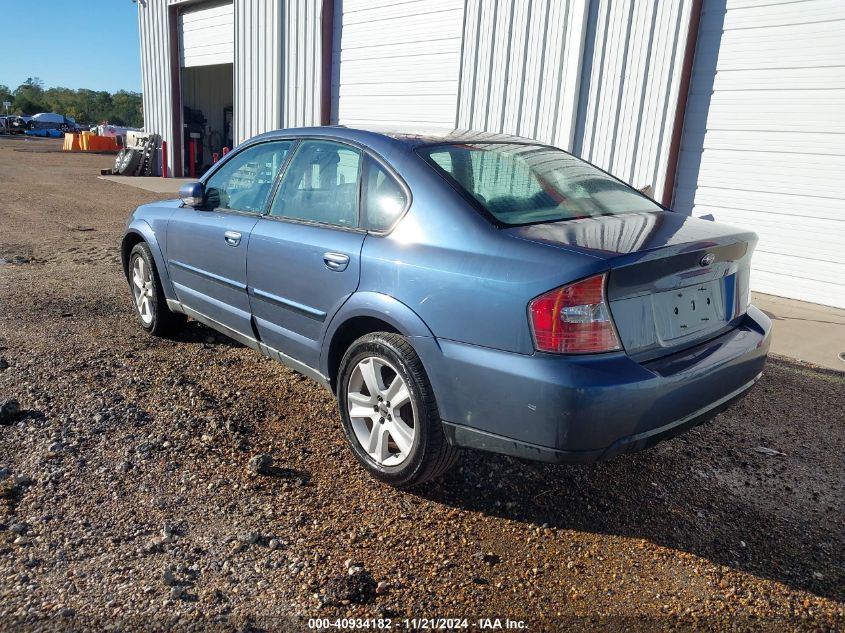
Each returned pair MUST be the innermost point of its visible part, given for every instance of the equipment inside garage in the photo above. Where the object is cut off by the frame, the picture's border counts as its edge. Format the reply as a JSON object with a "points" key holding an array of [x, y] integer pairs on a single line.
{"points": [[206, 56], [207, 93]]}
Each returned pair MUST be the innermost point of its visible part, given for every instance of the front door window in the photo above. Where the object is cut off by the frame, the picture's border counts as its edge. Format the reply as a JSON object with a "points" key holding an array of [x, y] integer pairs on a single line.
{"points": [[244, 182]]}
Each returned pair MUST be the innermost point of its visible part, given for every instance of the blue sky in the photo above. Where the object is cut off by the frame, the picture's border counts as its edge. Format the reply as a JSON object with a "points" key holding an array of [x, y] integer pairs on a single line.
{"points": [[91, 44]]}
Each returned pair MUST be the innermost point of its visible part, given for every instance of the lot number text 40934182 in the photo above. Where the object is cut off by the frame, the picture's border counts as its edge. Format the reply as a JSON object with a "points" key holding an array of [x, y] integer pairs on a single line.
{"points": [[416, 624]]}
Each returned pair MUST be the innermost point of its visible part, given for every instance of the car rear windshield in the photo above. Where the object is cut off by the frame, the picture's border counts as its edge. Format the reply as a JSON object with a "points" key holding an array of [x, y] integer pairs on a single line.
{"points": [[527, 184]]}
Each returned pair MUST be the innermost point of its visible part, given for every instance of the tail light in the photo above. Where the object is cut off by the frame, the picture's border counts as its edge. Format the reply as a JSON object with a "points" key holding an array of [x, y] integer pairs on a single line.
{"points": [[574, 319]]}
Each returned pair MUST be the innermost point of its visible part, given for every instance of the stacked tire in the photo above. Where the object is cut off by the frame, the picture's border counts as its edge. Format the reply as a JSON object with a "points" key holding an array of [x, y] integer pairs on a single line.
{"points": [[127, 161]]}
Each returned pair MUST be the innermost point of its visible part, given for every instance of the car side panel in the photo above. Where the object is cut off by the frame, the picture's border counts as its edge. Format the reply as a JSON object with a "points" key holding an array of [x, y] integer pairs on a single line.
{"points": [[378, 306], [292, 290], [209, 274], [153, 230]]}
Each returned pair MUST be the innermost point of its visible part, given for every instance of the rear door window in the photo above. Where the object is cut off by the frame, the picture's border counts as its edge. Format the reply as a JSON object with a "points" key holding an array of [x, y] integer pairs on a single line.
{"points": [[320, 185]]}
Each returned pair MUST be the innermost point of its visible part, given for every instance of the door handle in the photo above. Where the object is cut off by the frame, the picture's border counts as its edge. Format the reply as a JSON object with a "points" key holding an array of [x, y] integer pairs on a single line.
{"points": [[233, 238], [336, 261]]}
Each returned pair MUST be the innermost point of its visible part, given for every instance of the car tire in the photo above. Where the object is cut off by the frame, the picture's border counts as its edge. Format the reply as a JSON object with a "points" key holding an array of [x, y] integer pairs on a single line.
{"points": [[401, 442], [127, 161], [149, 302], [119, 160]]}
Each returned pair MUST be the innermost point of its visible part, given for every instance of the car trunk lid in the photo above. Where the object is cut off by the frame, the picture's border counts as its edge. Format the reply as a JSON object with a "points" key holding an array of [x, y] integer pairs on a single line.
{"points": [[673, 280]]}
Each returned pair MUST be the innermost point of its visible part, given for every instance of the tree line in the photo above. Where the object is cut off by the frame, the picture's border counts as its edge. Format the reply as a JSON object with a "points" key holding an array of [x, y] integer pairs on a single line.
{"points": [[85, 106]]}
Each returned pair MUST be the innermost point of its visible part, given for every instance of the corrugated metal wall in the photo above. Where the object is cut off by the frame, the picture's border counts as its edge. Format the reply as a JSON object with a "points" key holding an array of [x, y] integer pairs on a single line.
{"points": [[155, 68], [408, 63], [277, 65], [599, 77], [521, 67], [301, 63], [629, 89], [258, 62]]}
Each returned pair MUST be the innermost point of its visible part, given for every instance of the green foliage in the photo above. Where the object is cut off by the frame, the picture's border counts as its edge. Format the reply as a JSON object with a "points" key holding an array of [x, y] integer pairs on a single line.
{"points": [[85, 106], [5, 95]]}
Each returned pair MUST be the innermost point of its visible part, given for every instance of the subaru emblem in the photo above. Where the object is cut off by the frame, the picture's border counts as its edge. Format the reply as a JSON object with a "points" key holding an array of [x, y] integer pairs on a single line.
{"points": [[708, 259]]}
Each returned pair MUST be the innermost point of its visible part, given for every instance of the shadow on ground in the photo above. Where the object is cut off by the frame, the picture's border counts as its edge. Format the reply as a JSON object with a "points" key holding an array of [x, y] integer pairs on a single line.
{"points": [[709, 492], [197, 333]]}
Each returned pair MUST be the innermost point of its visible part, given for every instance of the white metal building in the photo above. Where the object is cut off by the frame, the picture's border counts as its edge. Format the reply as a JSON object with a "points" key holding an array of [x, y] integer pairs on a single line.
{"points": [[731, 109]]}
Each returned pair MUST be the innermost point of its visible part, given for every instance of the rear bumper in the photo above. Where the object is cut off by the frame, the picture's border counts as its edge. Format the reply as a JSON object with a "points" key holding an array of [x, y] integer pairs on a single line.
{"points": [[472, 438], [582, 409]]}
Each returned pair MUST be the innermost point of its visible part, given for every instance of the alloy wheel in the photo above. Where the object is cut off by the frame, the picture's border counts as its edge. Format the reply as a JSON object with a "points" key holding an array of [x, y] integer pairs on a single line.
{"points": [[381, 410], [143, 290]]}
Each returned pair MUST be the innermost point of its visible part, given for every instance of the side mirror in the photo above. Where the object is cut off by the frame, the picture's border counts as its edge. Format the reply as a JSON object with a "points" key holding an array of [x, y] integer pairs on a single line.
{"points": [[192, 194]]}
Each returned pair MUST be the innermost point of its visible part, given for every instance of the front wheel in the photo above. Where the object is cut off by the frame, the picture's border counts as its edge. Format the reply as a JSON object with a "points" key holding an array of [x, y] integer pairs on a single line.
{"points": [[147, 294], [389, 412]]}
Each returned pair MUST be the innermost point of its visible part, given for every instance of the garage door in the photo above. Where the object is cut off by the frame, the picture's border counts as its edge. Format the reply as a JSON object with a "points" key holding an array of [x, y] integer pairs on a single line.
{"points": [[397, 62], [207, 34], [764, 139]]}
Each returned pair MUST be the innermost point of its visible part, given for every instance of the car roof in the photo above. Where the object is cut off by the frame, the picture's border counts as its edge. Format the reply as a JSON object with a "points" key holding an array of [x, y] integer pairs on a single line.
{"points": [[425, 136], [408, 137]]}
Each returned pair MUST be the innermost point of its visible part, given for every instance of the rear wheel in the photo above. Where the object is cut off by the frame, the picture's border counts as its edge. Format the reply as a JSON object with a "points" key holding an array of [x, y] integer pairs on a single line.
{"points": [[147, 294], [389, 412]]}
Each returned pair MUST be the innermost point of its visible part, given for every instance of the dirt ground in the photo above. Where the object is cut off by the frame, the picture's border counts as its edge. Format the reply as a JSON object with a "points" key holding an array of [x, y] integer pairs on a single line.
{"points": [[126, 498]]}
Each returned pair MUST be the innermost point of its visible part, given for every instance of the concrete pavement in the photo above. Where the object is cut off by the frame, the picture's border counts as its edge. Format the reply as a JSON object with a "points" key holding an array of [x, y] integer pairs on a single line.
{"points": [[150, 183], [805, 331]]}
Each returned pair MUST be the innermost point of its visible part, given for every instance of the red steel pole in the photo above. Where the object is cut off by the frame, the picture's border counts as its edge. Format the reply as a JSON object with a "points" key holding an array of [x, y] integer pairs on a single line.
{"points": [[164, 159], [192, 158]]}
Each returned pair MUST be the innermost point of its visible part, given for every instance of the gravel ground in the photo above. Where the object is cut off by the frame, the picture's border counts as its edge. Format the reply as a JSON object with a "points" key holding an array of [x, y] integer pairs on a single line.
{"points": [[127, 492]]}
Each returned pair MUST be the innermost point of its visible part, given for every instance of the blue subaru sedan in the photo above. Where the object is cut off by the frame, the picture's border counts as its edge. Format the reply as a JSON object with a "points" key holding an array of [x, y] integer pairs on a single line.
{"points": [[458, 290]]}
